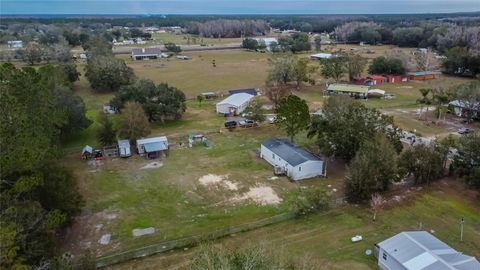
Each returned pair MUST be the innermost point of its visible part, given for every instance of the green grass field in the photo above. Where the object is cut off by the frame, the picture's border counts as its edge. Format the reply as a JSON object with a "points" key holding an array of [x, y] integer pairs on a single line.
{"points": [[182, 39], [170, 198], [325, 238]]}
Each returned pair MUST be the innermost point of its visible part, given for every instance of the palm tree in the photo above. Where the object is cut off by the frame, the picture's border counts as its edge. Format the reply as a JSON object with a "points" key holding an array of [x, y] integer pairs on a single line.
{"points": [[425, 100]]}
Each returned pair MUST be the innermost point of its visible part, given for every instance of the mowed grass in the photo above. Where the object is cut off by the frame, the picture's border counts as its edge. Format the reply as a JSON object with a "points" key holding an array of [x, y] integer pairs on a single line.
{"points": [[325, 238], [182, 39], [234, 69], [171, 198]]}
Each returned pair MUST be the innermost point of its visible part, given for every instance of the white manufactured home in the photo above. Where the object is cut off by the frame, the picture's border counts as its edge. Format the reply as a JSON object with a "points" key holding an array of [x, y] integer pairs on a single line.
{"points": [[296, 162], [234, 104], [420, 250]]}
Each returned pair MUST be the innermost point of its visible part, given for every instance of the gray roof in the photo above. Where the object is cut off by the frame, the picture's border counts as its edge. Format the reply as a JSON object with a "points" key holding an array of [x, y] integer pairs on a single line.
{"points": [[421, 250], [289, 152], [146, 51], [237, 99]]}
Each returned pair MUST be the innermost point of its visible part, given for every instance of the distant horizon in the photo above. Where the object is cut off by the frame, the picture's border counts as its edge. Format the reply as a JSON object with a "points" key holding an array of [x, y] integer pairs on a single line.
{"points": [[231, 7]]}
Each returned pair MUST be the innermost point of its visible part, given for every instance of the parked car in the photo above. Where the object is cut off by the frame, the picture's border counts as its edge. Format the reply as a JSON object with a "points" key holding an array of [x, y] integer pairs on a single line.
{"points": [[230, 124], [464, 131], [247, 123]]}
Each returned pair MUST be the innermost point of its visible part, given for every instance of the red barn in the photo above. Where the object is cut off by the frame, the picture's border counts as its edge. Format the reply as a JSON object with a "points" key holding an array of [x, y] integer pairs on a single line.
{"points": [[374, 80], [394, 78]]}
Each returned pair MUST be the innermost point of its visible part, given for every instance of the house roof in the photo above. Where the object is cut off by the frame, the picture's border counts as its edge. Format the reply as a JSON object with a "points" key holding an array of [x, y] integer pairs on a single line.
{"points": [[236, 99], [250, 91], [376, 77], [152, 140], [420, 250], [348, 88], [421, 73], [155, 146], [146, 51], [465, 104], [289, 152]]}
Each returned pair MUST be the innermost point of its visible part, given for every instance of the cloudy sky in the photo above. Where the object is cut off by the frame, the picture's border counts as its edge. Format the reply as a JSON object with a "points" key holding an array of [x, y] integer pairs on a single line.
{"points": [[235, 6]]}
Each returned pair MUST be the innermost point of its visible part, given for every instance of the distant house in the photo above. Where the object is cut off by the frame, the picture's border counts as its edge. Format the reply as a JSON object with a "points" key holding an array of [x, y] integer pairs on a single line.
{"points": [[296, 162], [15, 44], [421, 75], [464, 108], [234, 104], [250, 91], [146, 53], [124, 148], [353, 90], [420, 250], [153, 147], [82, 56], [319, 56], [268, 41], [209, 95]]}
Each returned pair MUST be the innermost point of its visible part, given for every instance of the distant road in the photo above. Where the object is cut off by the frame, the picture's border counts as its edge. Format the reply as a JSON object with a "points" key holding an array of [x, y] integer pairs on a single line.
{"points": [[128, 50]]}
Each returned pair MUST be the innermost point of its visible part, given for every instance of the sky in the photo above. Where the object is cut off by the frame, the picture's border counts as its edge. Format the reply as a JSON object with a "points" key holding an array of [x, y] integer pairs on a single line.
{"points": [[236, 6]]}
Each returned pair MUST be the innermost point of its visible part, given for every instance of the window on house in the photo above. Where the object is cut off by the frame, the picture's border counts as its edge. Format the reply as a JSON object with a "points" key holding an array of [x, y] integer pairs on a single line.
{"points": [[299, 169], [273, 156], [384, 256]]}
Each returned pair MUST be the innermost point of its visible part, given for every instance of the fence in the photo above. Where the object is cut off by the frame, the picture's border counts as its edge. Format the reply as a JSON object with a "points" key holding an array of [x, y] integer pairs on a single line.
{"points": [[187, 241]]}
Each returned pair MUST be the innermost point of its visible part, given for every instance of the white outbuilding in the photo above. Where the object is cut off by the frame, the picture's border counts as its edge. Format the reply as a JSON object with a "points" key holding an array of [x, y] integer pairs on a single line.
{"points": [[234, 104], [295, 162]]}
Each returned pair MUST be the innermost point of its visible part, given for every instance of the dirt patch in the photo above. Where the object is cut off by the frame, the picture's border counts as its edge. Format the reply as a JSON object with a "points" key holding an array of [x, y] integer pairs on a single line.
{"points": [[262, 195], [153, 165], [210, 179], [231, 185]]}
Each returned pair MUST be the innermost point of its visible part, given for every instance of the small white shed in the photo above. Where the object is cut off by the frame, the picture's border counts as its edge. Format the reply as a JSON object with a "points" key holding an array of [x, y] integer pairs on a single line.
{"points": [[234, 104], [124, 148], [296, 162]]}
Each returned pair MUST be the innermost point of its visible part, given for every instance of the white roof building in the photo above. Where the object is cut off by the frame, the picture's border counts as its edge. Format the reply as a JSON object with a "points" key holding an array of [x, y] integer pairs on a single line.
{"points": [[234, 104], [420, 250], [319, 56]]}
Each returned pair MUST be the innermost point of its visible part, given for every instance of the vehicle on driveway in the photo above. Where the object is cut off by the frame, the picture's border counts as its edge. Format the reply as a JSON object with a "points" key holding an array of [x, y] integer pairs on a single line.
{"points": [[247, 123], [230, 124], [464, 131]]}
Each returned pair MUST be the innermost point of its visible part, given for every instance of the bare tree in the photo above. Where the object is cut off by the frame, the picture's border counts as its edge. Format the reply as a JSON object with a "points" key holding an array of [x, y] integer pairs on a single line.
{"points": [[275, 92], [134, 121], [376, 203]]}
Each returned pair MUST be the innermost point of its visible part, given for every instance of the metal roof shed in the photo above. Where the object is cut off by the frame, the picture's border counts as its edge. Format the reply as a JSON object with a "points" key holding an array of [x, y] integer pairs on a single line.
{"points": [[423, 251], [150, 145], [234, 104]]}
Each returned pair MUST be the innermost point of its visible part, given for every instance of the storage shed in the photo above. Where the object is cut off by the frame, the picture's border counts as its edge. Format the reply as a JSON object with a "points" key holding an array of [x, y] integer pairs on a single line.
{"points": [[153, 147], [320, 56], [421, 250], [234, 104], [124, 148], [146, 53], [349, 89], [421, 75], [296, 162]]}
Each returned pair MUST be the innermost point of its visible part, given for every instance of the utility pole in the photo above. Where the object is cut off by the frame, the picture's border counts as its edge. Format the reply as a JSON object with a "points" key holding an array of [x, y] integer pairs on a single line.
{"points": [[462, 221]]}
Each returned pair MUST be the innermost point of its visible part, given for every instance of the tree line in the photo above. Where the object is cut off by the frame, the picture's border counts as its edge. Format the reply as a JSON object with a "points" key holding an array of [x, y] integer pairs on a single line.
{"points": [[38, 196]]}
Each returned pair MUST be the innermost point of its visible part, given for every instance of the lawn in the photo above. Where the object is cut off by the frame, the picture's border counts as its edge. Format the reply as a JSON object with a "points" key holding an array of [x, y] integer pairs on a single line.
{"points": [[121, 196], [325, 238], [182, 39]]}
